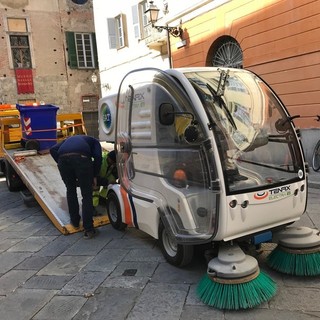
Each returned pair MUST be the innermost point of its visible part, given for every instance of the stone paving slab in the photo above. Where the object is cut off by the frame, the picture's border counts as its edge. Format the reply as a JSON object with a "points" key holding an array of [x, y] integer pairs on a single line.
{"points": [[58, 246], [106, 260], [23, 304], [255, 314], [32, 244], [6, 244], [86, 248], [34, 263], [128, 282], [121, 275], [61, 307], [109, 303], [47, 282], [9, 260], [161, 301], [147, 254], [84, 283], [14, 279], [65, 265], [137, 268]]}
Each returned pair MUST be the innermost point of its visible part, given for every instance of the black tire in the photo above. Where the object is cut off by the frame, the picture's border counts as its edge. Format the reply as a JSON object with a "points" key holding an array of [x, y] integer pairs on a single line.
{"points": [[114, 212], [32, 145], [13, 181], [316, 157], [176, 254]]}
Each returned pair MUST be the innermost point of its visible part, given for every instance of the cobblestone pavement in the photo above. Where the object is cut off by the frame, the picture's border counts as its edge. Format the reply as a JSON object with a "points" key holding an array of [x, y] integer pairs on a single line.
{"points": [[118, 275]]}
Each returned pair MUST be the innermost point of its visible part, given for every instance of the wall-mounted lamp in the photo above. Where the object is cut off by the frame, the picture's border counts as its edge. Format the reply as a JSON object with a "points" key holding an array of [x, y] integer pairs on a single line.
{"points": [[94, 78], [152, 14]]}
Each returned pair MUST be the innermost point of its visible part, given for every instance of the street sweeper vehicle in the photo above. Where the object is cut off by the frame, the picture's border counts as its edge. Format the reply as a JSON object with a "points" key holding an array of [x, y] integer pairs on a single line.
{"points": [[211, 156]]}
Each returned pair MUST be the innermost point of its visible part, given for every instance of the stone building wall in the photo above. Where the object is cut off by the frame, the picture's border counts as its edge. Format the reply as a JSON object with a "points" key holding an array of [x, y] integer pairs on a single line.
{"points": [[54, 81]]}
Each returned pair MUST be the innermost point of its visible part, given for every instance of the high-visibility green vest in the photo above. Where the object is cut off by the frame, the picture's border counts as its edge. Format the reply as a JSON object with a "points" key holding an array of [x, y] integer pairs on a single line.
{"points": [[106, 171]]}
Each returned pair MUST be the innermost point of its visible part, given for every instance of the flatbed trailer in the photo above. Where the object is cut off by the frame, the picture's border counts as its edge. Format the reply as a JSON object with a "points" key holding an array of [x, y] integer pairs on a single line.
{"points": [[37, 172]]}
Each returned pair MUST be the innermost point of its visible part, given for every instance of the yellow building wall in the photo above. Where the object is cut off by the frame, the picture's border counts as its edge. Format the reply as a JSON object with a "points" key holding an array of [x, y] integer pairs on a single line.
{"points": [[280, 42]]}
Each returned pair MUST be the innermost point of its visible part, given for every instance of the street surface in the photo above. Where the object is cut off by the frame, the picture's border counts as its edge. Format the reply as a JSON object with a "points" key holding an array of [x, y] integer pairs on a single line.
{"points": [[120, 275]]}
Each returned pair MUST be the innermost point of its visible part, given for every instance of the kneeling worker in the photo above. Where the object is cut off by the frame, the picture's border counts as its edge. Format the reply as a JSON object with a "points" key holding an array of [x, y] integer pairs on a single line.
{"points": [[79, 161], [108, 175]]}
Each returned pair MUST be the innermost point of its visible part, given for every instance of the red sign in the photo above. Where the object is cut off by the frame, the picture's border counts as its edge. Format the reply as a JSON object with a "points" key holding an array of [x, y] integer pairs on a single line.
{"points": [[24, 80]]}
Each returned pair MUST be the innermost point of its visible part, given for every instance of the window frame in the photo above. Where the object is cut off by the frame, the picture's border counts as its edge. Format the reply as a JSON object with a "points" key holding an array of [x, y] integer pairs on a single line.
{"points": [[83, 47], [73, 54], [119, 25], [117, 32], [145, 29], [22, 50], [12, 33]]}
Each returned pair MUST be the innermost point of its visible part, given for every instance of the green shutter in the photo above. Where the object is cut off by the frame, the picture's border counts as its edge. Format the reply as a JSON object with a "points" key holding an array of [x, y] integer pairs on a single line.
{"points": [[95, 52], [72, 52]]}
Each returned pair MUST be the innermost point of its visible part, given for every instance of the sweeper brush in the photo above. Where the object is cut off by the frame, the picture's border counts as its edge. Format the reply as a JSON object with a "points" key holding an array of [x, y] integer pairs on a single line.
{"points": [[297, 252], [234, 281]]}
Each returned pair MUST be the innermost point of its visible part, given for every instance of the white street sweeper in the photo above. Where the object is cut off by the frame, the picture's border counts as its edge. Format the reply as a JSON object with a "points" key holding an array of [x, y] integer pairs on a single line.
{"points": [[211, 156]]}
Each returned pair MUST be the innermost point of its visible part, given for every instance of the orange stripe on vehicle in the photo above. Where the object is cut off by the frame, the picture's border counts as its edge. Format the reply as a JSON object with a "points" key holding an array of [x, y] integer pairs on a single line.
{"points": [[127, 207]]}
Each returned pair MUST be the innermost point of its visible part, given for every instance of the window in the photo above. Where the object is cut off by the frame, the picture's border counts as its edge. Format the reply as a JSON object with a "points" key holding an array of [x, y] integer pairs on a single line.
{"points": [[227, 53], [143, 6], [117, 32], [141, 25], [20, 52], [82, 50], [19, 43], [120, 31]]}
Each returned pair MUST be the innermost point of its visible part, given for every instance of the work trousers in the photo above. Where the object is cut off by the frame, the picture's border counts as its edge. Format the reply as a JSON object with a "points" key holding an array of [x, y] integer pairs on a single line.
{"points": [[77, 170]]}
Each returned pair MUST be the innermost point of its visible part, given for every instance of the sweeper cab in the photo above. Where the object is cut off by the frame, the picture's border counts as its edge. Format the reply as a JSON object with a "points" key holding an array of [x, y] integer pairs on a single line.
{"points": [[207, 156]]}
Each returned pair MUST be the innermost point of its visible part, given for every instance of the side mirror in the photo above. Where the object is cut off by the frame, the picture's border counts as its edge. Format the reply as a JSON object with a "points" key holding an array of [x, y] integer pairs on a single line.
{"points": [[166, 114]]}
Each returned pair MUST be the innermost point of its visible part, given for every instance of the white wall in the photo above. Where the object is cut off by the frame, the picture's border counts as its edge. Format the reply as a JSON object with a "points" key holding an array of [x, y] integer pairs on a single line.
{"points": [[115, 64]]}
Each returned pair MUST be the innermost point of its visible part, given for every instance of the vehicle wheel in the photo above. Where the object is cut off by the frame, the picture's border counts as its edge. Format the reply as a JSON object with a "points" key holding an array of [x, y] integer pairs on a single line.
{"points": [[176, 254], [316, 157], [14, 183], [114, 212], [32, 145]]}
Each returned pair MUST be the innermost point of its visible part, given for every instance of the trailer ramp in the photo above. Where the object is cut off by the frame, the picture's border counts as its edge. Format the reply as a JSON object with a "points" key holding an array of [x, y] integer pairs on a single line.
{"points": [[41, 176]]}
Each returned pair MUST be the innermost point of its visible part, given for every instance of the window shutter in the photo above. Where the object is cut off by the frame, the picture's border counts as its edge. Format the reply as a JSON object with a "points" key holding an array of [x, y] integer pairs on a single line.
{"points": [[125, 29], [112, 33], [135, 21], [72, 52], [95, 52]]}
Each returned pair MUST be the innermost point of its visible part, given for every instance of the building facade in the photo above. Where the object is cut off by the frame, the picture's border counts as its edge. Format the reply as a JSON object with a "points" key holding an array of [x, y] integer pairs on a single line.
{"points": [[276, 39], [126, 41], [48, 54]]}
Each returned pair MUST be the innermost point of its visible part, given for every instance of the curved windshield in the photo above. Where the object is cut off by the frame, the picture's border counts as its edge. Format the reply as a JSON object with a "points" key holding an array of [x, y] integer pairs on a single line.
{"points": [[256, 141]]}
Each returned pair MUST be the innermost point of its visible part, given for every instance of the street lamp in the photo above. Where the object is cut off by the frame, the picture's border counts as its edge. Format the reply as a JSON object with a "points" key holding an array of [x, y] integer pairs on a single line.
{"points": [[153, 13]]}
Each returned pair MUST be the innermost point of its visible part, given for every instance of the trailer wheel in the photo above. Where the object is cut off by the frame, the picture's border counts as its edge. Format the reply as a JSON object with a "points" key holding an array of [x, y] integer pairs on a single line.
{"points": [[176, 254], [114, 212], [14, 182]]}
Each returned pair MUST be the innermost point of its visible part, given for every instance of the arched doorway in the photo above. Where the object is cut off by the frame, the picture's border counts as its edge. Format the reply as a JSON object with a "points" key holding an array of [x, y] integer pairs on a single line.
{"points": [[225, 52]]}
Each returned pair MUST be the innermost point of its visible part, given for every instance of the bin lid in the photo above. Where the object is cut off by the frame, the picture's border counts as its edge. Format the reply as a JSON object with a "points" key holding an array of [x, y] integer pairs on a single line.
{"points": [[22, 107]]}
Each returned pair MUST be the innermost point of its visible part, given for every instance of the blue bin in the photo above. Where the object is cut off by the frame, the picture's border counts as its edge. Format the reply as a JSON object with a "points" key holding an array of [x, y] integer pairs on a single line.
{"points": [[39, 126]]}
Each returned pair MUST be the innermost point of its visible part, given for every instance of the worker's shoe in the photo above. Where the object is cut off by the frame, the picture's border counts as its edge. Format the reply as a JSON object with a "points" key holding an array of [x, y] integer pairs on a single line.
{"points": [[90, 234], [75, 225]]}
